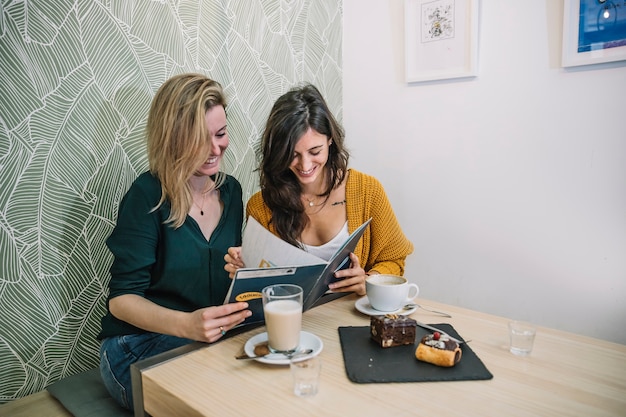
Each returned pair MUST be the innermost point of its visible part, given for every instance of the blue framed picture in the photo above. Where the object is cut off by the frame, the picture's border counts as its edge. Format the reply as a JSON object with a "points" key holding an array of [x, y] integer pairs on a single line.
{"points": [[594, 31]]}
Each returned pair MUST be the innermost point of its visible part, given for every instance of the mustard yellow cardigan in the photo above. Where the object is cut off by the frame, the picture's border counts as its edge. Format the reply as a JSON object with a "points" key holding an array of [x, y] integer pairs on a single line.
{"points": [[383, 247]]}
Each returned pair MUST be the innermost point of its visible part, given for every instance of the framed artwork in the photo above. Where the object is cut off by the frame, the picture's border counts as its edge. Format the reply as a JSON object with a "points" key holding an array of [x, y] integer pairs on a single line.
{"points": [[594, 31], [440, 39]]}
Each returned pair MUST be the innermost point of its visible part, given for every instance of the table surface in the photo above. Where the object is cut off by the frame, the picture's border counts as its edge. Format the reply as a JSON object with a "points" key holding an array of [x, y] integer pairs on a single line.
{"points": [[566, 375]]}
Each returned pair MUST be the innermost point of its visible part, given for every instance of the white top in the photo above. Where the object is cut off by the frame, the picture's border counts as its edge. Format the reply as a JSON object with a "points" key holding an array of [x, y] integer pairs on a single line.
{"points": [[328, 249]]}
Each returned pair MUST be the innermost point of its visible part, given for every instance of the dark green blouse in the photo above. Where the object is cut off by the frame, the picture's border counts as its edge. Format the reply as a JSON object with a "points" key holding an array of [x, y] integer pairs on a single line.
{"points": [[175, 268]]}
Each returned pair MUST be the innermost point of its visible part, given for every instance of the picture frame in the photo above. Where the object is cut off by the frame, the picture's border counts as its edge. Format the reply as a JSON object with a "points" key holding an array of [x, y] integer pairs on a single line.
{"points": [[440, 39], [594, 32]]}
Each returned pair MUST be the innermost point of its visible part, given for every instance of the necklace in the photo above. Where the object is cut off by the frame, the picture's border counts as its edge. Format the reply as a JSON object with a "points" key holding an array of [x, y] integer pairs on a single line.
{"points": [[312, 201], [203, 197], [312, 204], [201, 207]]}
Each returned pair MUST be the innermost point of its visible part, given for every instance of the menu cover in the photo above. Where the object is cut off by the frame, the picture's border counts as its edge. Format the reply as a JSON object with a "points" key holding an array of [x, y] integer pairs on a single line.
{"points": [[279, 262], [367, 362]]}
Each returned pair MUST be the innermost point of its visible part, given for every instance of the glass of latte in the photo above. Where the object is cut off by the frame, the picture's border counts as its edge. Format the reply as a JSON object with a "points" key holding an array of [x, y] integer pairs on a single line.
{"points": [[282, 308]]}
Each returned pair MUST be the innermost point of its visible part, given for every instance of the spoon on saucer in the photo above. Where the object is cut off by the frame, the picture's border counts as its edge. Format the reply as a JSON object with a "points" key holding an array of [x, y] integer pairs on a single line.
{"points": [[413, 305], [287, 355]]}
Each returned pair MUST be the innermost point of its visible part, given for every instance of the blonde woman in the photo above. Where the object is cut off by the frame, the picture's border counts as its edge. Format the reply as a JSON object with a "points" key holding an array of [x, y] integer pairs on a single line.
{"points": [[173, 229]]}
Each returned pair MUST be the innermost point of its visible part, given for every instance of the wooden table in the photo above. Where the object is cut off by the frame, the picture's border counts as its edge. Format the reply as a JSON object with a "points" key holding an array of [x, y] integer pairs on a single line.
{"points": [[566, 375]]}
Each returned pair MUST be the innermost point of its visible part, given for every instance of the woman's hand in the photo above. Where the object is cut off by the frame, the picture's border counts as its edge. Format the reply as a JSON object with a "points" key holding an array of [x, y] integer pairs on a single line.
{"points": [[233, 261], [205, 324], [352, 279], [211, 323]]}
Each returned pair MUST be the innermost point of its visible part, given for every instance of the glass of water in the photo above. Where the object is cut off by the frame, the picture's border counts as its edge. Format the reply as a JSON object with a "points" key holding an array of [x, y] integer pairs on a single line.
{"points": [[522, 336], [306, 375]]}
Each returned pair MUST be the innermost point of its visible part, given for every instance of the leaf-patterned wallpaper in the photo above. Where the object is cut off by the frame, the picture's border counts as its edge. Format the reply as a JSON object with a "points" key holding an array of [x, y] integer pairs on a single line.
{"points": [[76, 79]]}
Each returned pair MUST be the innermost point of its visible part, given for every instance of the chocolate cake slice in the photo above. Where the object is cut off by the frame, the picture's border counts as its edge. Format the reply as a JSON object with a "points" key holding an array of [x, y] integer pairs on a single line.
{"points": [[393, 330]]}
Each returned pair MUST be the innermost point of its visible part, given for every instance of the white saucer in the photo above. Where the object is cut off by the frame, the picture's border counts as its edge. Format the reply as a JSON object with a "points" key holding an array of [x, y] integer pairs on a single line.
{"points": [[364, 306], [307, 341]]}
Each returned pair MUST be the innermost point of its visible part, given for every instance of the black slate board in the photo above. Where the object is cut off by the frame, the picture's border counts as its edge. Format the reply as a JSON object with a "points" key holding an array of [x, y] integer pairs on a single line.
{"points": [[367, 362]]}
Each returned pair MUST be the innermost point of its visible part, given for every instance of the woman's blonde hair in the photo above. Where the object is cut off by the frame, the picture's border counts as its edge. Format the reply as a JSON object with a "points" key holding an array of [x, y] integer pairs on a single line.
{"points": [[177, 138]]}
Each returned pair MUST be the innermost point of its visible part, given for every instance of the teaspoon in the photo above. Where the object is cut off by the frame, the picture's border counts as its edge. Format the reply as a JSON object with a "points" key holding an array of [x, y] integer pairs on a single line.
{"points": [[288, 355], [412, 305]]}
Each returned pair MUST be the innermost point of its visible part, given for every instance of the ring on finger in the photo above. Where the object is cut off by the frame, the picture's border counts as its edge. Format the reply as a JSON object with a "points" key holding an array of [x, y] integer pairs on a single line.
{"points": [[222, 331]]}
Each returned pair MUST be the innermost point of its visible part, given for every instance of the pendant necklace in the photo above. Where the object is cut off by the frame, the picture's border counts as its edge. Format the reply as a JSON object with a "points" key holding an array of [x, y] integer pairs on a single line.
{"points": [[336, 203], [312, 201], [203, 198], [200, 207]]}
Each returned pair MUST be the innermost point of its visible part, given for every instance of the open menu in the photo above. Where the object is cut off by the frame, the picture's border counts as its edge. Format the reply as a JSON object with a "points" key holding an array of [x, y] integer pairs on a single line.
{"points": [[278, 262]]}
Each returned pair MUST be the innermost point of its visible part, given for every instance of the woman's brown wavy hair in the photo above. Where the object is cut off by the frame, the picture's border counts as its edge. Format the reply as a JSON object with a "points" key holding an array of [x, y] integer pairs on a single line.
{"points": [[291, 116]]}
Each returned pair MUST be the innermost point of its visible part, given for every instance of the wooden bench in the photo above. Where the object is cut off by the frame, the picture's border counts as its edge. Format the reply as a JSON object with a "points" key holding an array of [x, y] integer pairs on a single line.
{"points": [[81, 394], [41, 403], [85, 394]]}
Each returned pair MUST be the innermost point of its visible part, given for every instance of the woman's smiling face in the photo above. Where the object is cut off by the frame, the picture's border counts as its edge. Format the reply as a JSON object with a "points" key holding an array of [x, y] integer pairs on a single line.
{"points": [[310, 157], [215, 119]]}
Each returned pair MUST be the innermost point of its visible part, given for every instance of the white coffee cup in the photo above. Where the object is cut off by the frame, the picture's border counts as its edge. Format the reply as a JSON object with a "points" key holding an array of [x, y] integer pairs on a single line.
{"points": [[389, 292]]}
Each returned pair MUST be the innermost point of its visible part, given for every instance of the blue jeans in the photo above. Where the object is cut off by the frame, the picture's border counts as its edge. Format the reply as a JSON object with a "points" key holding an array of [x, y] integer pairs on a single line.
{"points": [[119, 352]]}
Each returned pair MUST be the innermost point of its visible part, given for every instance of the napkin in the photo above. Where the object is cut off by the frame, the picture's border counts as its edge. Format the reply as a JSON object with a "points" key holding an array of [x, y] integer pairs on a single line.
{"points": [[367, 362]]}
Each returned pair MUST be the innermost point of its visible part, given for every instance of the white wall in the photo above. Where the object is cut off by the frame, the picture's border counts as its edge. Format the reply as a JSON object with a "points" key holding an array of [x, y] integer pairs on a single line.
{"points": [[512, 185]]}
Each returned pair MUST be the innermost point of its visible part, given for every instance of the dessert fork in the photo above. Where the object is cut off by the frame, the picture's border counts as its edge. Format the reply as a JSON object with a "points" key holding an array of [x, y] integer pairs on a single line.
{"points": [[434, 329]]}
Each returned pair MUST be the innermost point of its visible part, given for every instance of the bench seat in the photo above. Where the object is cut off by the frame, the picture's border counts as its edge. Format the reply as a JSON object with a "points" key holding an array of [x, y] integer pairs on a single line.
{"points": [[80, 395], [41, 403]]}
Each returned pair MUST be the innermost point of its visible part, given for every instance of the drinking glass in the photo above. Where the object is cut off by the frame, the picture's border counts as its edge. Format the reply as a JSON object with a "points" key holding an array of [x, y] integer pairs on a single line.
{"points": [[306, 375], [282, 308], [522, 337]]}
